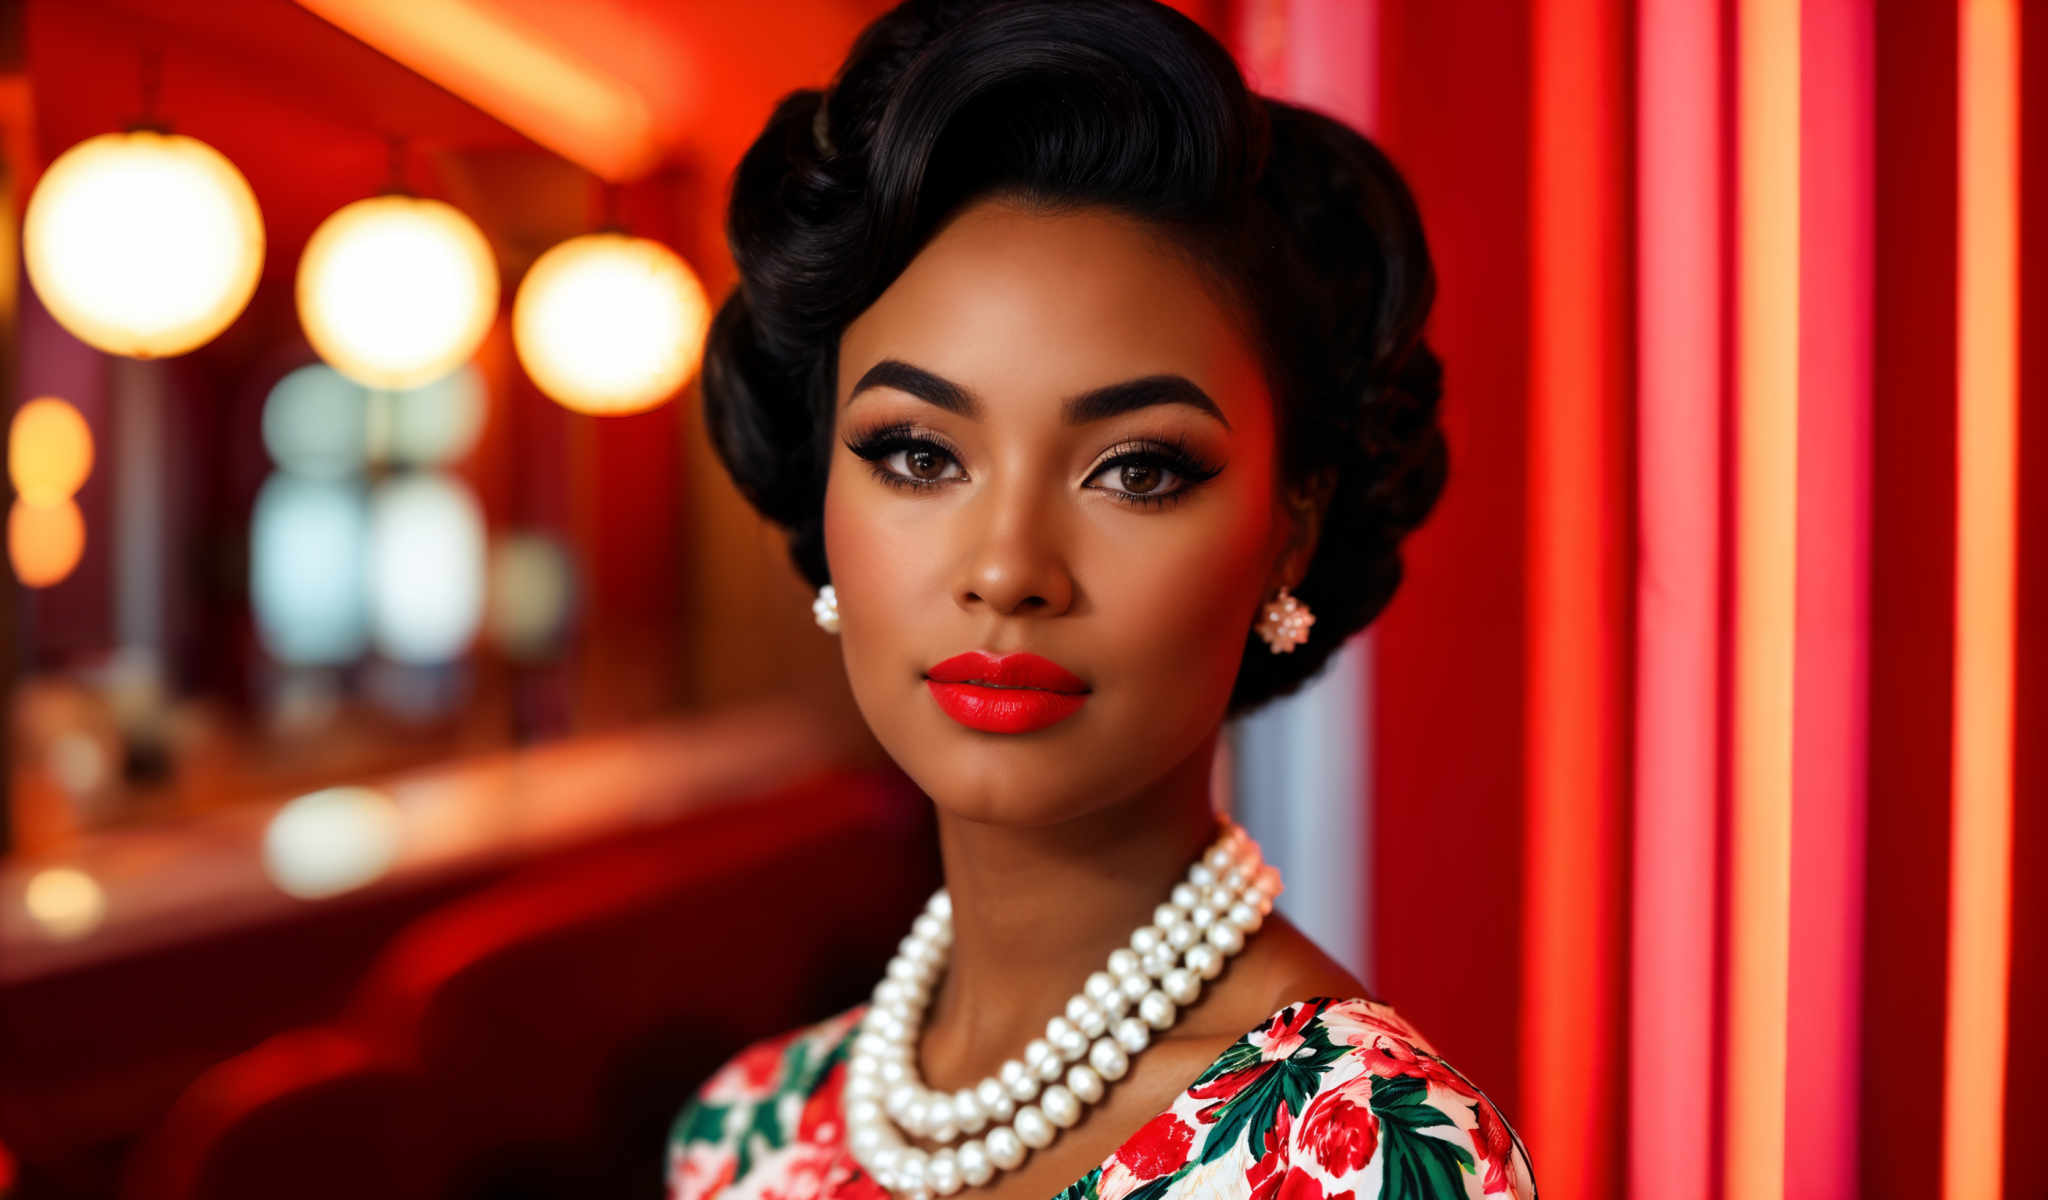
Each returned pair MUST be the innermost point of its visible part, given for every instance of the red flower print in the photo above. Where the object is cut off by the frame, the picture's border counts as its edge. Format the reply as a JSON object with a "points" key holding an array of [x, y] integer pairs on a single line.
{"points": [[1358, 1023], [1160, 1146], [846, 1181], [1157, 1148], [699, 1169], [795, 1172], [1492, 1141], [1263, 1176], [1282, 1036], [759, 1064], [1391, 1058], [1223, 1088], [1339, 1128], [1300, 1185], [821, 1121]]}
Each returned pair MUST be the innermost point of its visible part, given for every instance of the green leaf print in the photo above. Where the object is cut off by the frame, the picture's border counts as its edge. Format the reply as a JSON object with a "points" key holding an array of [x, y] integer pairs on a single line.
{"points": [[762, 1127], [1415, 1165], [699, 1122], [1250, 1113]]}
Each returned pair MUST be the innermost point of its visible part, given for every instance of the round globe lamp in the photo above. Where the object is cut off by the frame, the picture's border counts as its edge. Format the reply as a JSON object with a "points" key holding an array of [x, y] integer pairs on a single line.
{"points": [[396, 291], [608, 323], [45, 542], [49, 451], [142, 243]]}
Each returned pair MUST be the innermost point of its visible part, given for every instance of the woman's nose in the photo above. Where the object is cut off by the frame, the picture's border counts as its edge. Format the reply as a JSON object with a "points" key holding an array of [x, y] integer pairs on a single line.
{"points": [[1018, 563]]}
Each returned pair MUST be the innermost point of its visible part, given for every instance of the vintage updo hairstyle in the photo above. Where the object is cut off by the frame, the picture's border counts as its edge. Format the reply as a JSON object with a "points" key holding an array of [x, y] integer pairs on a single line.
{"points": [[1128, 105]]}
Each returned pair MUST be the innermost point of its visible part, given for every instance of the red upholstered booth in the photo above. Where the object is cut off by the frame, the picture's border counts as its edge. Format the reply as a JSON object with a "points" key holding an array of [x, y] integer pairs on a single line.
{"points": [[535, 1038]]}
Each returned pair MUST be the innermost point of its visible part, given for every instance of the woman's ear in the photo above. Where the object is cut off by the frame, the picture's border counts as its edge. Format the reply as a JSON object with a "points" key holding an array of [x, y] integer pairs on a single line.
{"points": [[1305, 505]]}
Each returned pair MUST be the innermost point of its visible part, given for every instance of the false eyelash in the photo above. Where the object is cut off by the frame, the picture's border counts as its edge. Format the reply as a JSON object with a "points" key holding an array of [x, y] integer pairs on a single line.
{"points": [[878, 444], [1173, 453]]}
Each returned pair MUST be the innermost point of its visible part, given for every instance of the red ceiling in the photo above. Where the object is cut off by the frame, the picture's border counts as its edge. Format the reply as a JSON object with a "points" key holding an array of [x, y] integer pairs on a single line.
{"points": [[307, 111]]}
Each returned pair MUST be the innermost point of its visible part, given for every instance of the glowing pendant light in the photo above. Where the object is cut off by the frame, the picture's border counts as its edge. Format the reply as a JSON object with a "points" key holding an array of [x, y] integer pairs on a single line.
{"points": [[143, 243], [49, 451], [49, 455], [396, 291], [610, 323]]}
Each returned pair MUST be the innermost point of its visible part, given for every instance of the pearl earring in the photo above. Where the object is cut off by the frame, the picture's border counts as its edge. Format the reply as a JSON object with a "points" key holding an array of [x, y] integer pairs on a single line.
{"points": [[1284, 623], [825, 609]]}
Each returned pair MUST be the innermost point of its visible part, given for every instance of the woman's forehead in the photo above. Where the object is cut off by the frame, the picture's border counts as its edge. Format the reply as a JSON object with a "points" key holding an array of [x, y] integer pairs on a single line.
{"points": [[1012, 303]]}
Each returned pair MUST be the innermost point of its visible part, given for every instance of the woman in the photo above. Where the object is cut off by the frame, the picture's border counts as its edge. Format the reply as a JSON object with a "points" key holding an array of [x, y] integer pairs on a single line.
{"points": [[1091, 390]]}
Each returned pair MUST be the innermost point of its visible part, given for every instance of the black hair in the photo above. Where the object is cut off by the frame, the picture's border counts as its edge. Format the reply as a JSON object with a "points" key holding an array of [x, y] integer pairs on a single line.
{"points": [[1130, 106]]}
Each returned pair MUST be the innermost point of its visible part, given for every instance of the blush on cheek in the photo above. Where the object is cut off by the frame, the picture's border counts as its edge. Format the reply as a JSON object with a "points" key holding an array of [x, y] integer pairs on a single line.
{"points": [[884, 560], [1177, 622]]}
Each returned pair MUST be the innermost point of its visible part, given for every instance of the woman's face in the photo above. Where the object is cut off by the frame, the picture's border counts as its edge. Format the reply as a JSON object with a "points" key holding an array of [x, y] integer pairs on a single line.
{"points": [[1129, 539]]}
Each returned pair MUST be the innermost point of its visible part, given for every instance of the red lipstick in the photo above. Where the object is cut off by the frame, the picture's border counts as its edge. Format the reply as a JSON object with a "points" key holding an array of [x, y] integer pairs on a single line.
{"points": [[1015, 693]]}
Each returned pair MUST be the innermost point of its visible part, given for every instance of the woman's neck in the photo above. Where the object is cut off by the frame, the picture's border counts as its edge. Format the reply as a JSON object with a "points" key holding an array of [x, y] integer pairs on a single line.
{"points": [[1035, 909]]}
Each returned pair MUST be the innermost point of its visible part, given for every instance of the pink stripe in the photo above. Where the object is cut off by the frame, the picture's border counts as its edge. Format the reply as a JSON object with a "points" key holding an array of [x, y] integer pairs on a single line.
{"points": [[1680, 317], [1832, 654], [1333, 56]]}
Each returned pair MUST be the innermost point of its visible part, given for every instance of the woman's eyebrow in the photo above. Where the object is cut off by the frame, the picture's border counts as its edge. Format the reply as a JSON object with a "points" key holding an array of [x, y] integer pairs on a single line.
{"points": [[1095, 404]]}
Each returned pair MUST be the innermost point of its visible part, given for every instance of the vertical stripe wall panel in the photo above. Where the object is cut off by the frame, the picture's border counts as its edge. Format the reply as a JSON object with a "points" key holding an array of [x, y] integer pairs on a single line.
{"points": [[1987, 394], [1743, 389], [1912, 597], [1448, 693], [1832, 619], [1766, 483], [2026, 1103], [1579, 533], [1679, 307]]}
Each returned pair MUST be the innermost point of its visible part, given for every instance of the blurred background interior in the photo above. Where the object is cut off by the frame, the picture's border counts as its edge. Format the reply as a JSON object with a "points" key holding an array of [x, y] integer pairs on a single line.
{"points": [[410, 735]]}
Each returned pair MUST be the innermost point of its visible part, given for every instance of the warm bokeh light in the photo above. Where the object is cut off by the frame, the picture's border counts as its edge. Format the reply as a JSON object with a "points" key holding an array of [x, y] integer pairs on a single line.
{"points": [[433, 424], [426, 568], [308, 550], [331, 841], [45, 541], [608, 323], [65, 902], [532, 595], [49, 451], [144, 244], [397, 291], [316, 424]]}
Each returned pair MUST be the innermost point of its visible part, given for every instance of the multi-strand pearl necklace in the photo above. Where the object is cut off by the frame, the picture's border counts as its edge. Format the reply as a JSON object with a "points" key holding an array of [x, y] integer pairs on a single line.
{"points": [[1029, 1100]]}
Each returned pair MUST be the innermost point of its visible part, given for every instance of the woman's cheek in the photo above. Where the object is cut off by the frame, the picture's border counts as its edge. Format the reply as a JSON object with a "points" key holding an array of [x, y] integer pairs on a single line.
{"points": [[1177, 596]]}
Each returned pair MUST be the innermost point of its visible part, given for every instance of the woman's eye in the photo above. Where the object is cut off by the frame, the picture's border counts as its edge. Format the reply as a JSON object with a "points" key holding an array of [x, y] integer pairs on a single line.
{"points": [[1140, 477], [926, 464]]}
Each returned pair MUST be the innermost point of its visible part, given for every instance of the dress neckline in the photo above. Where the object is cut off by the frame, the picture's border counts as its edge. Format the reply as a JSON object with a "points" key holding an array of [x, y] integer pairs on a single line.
{"points": [[1324, 1002]]}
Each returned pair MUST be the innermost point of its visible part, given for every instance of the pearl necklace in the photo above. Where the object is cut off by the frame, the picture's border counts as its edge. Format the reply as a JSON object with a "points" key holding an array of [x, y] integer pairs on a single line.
{"points": [[1224, 898]]}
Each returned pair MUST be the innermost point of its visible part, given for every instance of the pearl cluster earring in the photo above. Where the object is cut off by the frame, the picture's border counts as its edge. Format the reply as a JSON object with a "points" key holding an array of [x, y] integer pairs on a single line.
{"points": [[825, 609], [1224, 898], [1284, 622]]}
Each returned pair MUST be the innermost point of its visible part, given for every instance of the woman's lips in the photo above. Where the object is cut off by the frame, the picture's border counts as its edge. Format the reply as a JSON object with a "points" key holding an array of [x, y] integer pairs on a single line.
{"points": [[1014, 693]]}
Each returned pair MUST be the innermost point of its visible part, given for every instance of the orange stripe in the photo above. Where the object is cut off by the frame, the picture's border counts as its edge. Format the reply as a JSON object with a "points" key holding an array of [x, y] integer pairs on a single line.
{"points": [[1767, 458], [1575, 542], [1987, 490]]}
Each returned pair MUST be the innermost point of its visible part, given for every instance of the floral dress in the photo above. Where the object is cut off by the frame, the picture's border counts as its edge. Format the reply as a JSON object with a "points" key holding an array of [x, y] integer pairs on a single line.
{"points": [[1327, 1099]]}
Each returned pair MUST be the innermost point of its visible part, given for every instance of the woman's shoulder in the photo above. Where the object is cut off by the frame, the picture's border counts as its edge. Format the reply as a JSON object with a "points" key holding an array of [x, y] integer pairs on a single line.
{"points": [[1391, 1106], [765, 1102], [1330, 1099]]}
